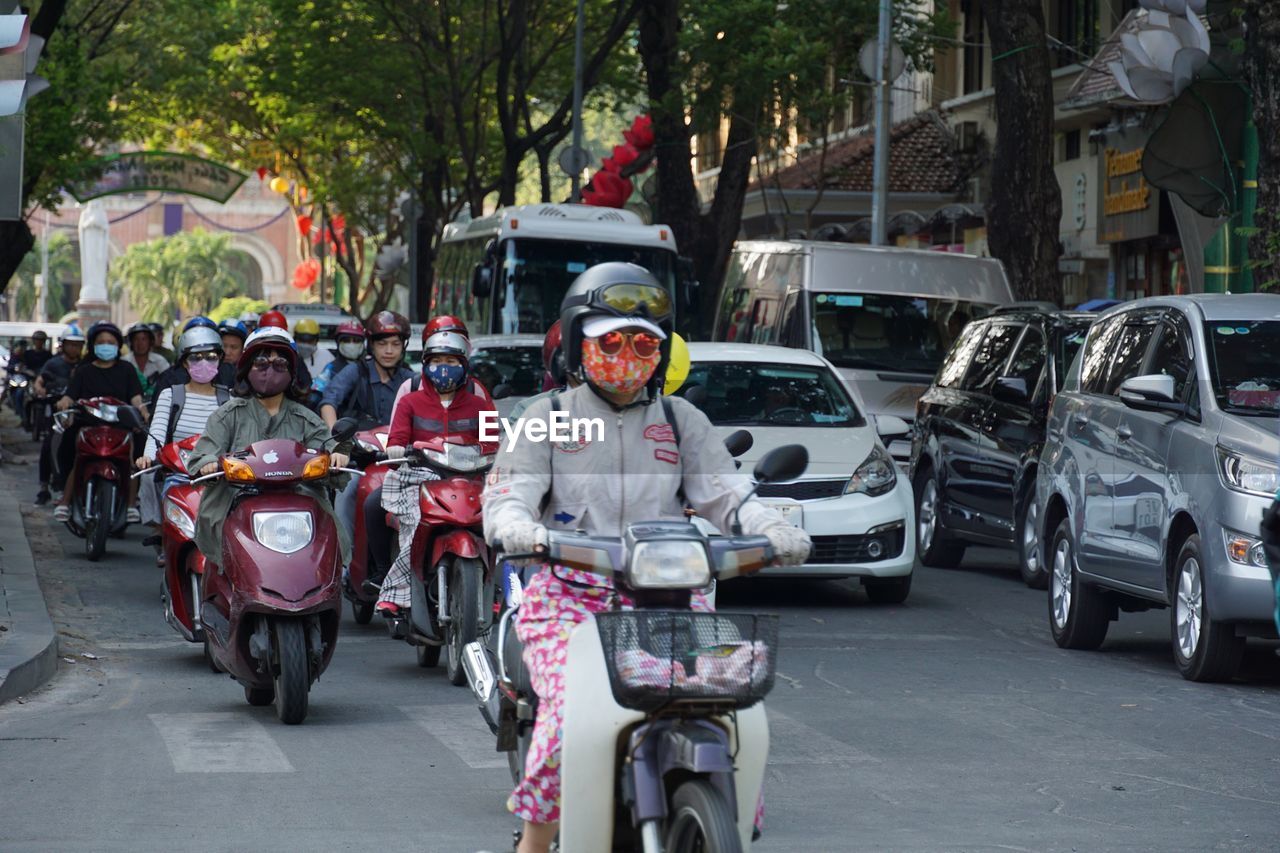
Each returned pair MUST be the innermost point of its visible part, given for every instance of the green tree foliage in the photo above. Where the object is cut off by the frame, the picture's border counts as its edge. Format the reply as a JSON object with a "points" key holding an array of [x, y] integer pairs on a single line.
{"points": [[179, 276], [64, 271], [234, 307]]}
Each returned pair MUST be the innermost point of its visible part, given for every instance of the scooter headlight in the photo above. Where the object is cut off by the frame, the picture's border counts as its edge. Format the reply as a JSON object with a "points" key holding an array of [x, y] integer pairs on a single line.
{"points": [[178, 517], [464, 458], [283, 532], [669, 564]]}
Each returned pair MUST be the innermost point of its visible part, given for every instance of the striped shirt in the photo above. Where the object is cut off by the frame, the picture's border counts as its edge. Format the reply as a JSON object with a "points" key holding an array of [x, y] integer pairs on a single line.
{"points": [[191, 420]]}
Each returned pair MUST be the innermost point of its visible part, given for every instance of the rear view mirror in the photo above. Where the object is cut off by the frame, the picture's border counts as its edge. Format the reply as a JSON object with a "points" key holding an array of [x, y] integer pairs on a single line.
{"points": [[130, 418], [696, 394], [501, 391], [1010, 389], [782, 464], [481, 280], [344, 429], [1151, 393], [891, 427], [738, 442]]}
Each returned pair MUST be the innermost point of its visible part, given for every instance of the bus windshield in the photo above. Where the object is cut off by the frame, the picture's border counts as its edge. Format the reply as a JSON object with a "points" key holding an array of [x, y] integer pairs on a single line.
{"points": [[544, 269]]}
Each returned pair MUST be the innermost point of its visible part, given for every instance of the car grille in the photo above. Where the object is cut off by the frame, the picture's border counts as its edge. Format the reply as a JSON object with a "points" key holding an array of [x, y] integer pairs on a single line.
{"points": [[858, 549], [804, 490]]}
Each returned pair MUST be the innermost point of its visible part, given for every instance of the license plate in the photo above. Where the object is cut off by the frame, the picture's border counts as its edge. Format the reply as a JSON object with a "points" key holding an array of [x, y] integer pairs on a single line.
{"points": [[791, 513]]}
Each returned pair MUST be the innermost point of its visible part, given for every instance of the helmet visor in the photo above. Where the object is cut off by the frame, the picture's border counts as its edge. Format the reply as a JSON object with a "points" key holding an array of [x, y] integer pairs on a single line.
{"points": [[637, 298]]}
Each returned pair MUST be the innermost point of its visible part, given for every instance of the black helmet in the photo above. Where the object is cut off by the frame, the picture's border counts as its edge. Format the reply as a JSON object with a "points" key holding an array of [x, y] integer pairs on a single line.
{"points": [[141, 329], [615, 289], [105, 326]]}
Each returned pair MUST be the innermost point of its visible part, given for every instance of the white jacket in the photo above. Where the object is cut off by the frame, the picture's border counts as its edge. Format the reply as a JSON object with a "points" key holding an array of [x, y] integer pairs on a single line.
{"points": [[634, 473]]}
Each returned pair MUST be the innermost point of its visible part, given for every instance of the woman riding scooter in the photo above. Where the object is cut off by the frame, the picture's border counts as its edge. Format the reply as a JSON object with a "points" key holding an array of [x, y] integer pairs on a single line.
{"points": [[616, 322], [266, 407]]}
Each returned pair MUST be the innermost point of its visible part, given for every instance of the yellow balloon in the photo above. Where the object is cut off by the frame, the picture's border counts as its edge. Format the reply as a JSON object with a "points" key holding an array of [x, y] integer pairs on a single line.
{"points": [[279, 185], [677, 366]]}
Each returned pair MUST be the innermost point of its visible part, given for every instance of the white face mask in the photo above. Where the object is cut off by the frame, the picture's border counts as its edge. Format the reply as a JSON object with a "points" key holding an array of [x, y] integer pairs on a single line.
{"points": [[351, 350]]}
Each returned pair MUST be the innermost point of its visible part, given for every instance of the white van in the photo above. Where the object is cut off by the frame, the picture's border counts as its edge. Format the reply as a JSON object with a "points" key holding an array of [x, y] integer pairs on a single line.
{"points": [[885, 317]]}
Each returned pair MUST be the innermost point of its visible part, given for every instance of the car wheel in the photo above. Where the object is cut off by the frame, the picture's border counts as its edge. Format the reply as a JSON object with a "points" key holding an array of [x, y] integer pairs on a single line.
{"points": [[888, 590], [1030, 553], [1203, 648], [935, 546], [1078, 614]]}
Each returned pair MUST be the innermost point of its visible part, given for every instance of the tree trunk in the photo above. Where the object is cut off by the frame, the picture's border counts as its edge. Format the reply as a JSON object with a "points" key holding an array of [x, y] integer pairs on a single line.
{"points": [[1262, 72], [16, 240], [721, 224], [1025, 212]]}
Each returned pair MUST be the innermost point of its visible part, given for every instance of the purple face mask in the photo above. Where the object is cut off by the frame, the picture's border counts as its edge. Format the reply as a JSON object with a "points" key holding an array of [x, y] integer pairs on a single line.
{"points": [[268, 382], [202, 371]]}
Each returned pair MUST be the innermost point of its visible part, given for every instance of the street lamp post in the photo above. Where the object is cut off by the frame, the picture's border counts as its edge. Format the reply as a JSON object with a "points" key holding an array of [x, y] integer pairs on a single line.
{"points": [[576, 177], [880, 173]]}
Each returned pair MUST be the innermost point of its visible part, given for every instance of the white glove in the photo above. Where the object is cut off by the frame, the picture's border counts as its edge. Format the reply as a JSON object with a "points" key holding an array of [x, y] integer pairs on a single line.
{"points": [[395, 451], [791, 545], [523, 537]]}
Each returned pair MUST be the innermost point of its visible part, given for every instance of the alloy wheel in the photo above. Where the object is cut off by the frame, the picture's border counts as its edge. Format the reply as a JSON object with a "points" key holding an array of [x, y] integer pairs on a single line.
{"points": [[1190, 607], [927, 522], [1061, 584], [1030, 537]]}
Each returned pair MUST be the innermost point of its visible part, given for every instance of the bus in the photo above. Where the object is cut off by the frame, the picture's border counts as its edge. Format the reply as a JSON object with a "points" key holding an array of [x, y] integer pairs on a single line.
{"points": [[506, 273]]}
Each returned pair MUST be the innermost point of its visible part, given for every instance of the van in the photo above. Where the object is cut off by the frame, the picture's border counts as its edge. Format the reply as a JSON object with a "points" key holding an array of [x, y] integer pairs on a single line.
{"points": [[885, 317]]}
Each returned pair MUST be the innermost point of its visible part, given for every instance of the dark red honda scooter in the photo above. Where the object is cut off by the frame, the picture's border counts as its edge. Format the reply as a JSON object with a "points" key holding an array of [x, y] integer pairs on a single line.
{"points": [[271, 610], [183, 561], [99, 497], [361, 585], [453, 589]]}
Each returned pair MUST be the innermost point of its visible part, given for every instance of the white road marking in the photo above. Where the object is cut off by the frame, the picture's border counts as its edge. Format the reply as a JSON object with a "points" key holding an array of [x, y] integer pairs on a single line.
{"points": [[792, 742], [220, 743], [461, 730]]}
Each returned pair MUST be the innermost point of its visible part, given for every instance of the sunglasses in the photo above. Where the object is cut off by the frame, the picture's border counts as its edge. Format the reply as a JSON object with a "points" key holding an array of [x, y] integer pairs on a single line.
{"points": [[204, 356], [274, 362], [631, 298], [643, 344]]}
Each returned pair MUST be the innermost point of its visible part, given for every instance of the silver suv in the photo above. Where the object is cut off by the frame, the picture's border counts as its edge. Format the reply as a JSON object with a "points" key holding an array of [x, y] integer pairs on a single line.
{"points": [[1161, 456]]}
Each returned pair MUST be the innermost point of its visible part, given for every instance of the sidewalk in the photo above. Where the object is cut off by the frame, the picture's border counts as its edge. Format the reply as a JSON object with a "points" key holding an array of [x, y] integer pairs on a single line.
{"points": [[29, 646]]}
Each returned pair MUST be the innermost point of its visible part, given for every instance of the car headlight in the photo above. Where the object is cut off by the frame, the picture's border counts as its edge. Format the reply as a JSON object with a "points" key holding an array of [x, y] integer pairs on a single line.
{"points": [[877, 475], [669, 565], [282, 532], [177, 516], [1244, 550], [1251, 476]]}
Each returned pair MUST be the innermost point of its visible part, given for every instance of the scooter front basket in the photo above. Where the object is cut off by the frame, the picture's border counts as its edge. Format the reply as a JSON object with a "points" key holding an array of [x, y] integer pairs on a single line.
{"points": [[657, 657]]}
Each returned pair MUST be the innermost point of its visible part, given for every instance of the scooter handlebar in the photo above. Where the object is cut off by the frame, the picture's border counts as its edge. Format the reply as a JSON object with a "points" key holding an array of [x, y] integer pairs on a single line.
{"points": [[215, 475]]}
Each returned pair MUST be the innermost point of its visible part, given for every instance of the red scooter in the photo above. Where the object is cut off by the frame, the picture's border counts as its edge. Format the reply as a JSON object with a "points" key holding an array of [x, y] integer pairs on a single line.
{"points": [[271, 610], [99, 499], [183, 561], [452, 583], [359, 588]]}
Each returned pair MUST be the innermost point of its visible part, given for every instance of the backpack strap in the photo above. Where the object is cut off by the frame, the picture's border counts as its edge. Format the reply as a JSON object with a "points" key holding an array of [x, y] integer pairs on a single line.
{"points": [[416, 382], [669, 411], [177, 400], [222, 395]]}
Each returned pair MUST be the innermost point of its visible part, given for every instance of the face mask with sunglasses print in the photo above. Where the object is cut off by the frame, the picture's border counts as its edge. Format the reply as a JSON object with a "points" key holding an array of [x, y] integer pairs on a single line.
{"points": [[620, 363], [269, 376]]}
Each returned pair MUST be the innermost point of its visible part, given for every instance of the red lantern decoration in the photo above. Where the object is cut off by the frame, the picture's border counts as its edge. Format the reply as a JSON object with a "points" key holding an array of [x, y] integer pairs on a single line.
{"points": [[608, 165], [304, 225], [607, 190], [624, 156], [306, 273], [640, 136]]}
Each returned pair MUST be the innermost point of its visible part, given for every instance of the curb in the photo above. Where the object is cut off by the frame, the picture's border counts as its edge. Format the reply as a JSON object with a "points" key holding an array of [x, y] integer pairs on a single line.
{"points": [[29, 654]]}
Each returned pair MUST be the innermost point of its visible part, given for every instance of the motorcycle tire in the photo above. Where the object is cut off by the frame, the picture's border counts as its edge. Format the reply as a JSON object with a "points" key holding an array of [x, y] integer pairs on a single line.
{"points": [[259, 696], [98, 527], [700, 820], [362, 612], [464, 615], [213, 664], [293, 678], [428, 656]]}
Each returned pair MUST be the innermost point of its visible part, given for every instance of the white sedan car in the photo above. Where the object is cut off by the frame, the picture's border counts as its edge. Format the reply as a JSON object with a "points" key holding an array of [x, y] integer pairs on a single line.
{"points": [[852, 499]]}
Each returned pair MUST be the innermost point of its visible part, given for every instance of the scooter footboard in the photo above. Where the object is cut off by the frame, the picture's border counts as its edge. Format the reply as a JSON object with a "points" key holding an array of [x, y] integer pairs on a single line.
{"points": [[593, 725]]}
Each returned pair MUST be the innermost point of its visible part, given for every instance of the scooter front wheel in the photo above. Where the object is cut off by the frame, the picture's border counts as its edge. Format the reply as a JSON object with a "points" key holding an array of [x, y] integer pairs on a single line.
{"points": [[362, 612], [293, 678], [701, 820], [98, 527], [464, 615]]}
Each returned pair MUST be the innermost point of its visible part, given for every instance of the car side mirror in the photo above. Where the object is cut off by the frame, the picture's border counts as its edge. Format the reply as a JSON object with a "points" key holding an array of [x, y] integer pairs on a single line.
{"points": [[344, 429], [1011, 389], [891, 427], [738, 442], [1151, 393], [481, 281], [782, 464], [501, 391]]}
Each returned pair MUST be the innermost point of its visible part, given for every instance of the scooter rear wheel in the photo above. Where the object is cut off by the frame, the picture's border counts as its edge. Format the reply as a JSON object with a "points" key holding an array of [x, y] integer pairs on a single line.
{"points": [[259, 696], [293, 680], [362, 612], [701, 821]]}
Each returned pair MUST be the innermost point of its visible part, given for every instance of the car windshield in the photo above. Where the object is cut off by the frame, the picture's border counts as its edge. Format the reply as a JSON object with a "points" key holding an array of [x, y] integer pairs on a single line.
{"points": [[1069, 343], [879, 331], [546, 268], [1244, 365], [518, 367], [747, 394]]}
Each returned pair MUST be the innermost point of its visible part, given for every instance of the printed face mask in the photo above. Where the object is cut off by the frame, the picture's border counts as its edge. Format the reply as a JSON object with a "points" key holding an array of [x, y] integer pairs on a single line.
{"points": [[621, 373], [105, 352], [202, 371], [268, 381], [351, 350], [446, 377]]}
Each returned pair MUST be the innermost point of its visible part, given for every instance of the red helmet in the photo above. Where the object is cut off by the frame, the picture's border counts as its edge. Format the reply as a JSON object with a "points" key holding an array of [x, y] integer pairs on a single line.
{"points": [[552, 357], [273, 319], [384, 324], [445, 323], [349, 329]]}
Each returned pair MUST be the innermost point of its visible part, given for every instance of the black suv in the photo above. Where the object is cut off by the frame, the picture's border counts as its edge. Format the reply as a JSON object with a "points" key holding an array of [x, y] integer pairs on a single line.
{"points": [[980, 428]]}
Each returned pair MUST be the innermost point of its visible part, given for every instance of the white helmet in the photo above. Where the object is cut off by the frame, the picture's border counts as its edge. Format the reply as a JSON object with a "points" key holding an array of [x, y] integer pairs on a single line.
{"points": [[446, 343], [72, 335]]}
